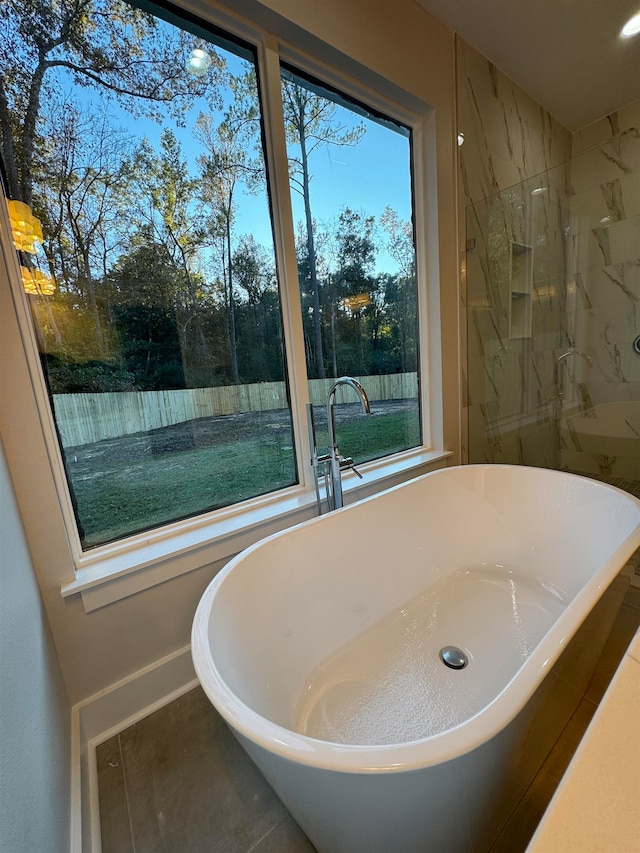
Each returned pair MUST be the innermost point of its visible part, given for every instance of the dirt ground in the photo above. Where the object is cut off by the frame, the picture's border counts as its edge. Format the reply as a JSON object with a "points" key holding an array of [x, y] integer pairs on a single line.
{"points": [[213, 432]]}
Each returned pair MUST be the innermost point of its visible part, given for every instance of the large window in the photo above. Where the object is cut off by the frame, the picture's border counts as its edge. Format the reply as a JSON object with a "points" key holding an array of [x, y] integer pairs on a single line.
{"points": [[139, 197], [350, 178]]}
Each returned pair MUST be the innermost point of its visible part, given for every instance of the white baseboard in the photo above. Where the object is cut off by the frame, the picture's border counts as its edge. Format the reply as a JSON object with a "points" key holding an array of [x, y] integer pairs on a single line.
{"points": [[75, 824], [105, 714]]}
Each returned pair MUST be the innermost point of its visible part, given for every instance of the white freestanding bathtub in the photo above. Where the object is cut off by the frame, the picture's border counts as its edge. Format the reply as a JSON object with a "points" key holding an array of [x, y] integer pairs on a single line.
{"points": [[320, 647]]}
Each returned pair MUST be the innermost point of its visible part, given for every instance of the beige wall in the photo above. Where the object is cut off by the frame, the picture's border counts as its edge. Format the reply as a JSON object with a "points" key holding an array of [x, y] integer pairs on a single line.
{"points": [[35, 751], [409, 52]]}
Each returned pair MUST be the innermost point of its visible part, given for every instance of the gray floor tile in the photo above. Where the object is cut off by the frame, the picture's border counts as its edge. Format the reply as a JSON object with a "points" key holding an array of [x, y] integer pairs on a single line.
{"points": [[286, 837], [632, 598], [519, 830], [191, 787], [114, 814], [624, 628]]}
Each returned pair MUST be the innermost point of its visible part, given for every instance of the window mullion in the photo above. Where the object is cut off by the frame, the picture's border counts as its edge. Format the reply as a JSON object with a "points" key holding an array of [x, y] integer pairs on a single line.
{"points": [[278, 176], [427, 265]]}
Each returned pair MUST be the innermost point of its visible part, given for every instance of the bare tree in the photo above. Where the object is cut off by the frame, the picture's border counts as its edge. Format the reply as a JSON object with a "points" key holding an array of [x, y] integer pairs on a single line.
{"points": [[83, 172], [168, 203], [106, 44], [311, 122], [226, 164]]}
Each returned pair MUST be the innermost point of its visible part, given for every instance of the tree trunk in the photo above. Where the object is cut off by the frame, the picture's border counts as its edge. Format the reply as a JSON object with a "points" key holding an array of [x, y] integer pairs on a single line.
{"points": [[8, 151], [233, 344], [311, 254]]}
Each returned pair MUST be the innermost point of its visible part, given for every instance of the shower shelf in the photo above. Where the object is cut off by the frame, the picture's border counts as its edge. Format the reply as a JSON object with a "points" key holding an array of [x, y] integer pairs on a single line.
{"points": [[520, 286]]}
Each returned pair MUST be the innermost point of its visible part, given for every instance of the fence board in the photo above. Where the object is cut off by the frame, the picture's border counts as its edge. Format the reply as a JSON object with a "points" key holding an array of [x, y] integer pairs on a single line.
{"points": [[87, 418]]}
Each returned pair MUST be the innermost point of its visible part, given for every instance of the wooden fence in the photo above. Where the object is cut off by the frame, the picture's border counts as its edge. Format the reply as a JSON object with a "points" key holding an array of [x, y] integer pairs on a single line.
{"points": [[87, 418]]}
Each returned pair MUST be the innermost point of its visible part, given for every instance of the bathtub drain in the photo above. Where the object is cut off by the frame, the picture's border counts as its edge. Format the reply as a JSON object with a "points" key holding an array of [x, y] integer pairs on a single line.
{"points": [[453, 657]]}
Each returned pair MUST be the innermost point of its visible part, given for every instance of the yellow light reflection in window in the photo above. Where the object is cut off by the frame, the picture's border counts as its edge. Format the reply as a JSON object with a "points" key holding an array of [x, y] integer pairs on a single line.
{"points": [[26, 228], [36, 282], [27, 236], [356, 303]]}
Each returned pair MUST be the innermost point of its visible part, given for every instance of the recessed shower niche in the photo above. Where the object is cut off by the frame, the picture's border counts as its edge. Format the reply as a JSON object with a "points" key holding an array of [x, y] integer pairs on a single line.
{"points": [[520, 286]]}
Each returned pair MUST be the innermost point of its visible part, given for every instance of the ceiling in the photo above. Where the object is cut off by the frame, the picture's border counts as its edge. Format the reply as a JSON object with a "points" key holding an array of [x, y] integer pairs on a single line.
{"points": [[567, 54]]}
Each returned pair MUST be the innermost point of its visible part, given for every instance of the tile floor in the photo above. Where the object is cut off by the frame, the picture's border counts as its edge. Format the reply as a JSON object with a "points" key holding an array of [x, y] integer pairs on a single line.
{"points": [[178, 782]]}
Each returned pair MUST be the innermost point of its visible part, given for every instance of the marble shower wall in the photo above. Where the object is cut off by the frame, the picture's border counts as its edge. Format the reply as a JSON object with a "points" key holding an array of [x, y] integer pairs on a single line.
{"points": [[550, 261], [600, 425], [513, 202], [605, 227]]}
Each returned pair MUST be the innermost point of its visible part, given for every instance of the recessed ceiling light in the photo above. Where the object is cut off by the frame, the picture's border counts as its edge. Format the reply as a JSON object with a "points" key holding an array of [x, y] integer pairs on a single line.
{"points": [[632, 27]]}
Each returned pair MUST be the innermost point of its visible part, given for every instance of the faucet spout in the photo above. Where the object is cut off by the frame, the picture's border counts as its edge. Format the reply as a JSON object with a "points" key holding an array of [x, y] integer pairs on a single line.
{"points": [[337, 461]]}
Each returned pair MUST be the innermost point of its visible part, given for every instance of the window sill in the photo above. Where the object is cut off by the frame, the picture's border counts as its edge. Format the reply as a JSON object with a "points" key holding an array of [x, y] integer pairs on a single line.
{"points": [[117, 571]]}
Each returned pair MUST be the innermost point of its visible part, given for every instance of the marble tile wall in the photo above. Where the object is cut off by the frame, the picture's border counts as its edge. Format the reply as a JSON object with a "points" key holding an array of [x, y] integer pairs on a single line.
{"points": [[605, 315], [509, 234], [509, 138], [550, 261], [605, 226]]}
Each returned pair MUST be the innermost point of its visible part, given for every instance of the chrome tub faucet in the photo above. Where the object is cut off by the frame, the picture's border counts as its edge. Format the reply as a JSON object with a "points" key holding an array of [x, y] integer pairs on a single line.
{"points": [[332, 464]]}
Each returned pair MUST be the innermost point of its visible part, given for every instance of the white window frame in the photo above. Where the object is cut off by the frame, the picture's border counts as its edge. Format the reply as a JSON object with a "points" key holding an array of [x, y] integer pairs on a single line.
{"points": [[118, 569]]}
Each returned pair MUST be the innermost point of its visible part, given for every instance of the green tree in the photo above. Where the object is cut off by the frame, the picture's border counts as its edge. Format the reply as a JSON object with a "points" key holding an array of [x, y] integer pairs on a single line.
{"points": [[58, 165], [167, 200], [259, 326], [81, 175], [355, 289], [400, 291], [225, 165], [107, 44], [143, 287]]}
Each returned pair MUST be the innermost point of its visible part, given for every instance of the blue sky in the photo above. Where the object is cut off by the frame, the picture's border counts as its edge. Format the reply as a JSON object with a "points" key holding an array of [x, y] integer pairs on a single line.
{"points": [[366, 177]]}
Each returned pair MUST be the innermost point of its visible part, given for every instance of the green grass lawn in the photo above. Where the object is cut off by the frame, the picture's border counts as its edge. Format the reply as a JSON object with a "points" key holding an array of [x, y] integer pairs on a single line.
{"points": [[117, 499], [370, 437]]}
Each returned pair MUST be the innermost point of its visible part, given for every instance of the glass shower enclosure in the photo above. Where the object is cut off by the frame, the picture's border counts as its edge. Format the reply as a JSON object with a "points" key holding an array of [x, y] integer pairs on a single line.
{"points": [[553, 320]]}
